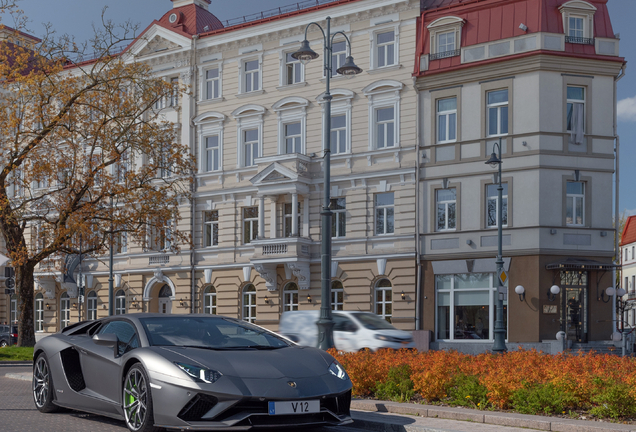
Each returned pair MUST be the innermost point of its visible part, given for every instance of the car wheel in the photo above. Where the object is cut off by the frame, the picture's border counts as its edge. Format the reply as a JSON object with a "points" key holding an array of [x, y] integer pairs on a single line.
{"points": [[3, 343], [137, 401], [43, 386]]}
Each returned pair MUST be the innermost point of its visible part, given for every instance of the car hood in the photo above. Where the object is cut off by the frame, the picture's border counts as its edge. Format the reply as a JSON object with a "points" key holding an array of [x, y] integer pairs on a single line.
{"points": [[290, 362]]}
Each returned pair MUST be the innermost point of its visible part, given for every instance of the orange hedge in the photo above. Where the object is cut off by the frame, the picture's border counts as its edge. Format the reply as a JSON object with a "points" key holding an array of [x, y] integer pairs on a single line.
{"points": [[432, 373]]}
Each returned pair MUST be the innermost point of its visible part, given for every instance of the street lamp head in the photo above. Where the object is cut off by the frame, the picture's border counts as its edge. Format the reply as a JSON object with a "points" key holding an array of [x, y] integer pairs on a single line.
{"points": [[349, 68], [610, 291], [494, 161], [620, 292], [305, 54]]}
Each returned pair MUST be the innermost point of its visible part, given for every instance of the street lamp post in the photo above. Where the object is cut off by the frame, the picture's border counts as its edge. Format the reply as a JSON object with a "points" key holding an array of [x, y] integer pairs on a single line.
{"points": [[500, 331], [305, 54], [110, 264]]}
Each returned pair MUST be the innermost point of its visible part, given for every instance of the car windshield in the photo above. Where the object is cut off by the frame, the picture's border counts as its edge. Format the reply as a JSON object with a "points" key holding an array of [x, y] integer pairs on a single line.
{"points": [[209, 333], [373, 322]]}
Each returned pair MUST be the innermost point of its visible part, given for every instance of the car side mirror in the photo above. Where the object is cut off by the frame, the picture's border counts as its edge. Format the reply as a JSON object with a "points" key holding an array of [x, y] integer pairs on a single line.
{"points": [[109, 340]]}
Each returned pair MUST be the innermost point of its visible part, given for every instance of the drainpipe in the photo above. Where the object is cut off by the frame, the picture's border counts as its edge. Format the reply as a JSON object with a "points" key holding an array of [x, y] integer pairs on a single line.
{"points": [[418, 263], [193, 188], [616, 206]]}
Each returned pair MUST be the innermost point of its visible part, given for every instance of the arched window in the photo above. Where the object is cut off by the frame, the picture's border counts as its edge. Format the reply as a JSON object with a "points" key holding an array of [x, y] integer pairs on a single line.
{"points": [[120, 302], [290, 297], [39, 312], [337, 295], [249, 303], [91, 306], [209, 300], [65, 310], [384, 299]]}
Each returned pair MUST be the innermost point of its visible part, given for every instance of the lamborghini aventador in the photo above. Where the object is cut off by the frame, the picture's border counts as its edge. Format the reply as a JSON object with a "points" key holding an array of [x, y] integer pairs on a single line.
{"points": [[188, 372]]}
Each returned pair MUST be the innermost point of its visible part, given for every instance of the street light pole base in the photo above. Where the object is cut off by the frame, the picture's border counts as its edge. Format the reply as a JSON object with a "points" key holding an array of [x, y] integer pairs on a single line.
{"points": [[325, 334]]}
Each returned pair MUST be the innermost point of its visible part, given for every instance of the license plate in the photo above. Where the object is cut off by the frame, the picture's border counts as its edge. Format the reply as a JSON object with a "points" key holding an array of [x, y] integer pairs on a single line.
{"points": [[297, 407]]}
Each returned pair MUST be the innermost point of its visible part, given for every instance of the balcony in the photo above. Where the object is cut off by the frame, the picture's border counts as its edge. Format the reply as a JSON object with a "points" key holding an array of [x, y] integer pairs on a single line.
{"points": [[281, 248], [579, 40], [445, 54], [160, 259]]}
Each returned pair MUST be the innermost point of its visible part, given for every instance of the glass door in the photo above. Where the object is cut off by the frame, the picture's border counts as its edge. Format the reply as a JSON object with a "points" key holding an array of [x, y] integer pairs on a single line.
{"points": [[574, 305]]}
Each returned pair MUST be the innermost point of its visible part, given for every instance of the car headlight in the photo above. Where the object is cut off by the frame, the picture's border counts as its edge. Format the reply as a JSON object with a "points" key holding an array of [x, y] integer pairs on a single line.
{"points": [[382, 337], [337, 370], [200, 374]]}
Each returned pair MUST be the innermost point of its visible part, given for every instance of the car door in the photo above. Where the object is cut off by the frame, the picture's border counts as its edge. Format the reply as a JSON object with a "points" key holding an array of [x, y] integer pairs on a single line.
{"points": [[344, 333], [102, 365]]}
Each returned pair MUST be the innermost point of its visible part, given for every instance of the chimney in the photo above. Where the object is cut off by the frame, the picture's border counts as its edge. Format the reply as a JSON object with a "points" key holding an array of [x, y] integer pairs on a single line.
{"points": [[202, 3]]}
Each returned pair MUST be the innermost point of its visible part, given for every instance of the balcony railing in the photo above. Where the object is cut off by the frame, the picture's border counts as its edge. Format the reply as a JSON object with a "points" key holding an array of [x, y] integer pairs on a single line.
{"points": [[274, 249], [579, 40], [161, 259], [445, 54]]}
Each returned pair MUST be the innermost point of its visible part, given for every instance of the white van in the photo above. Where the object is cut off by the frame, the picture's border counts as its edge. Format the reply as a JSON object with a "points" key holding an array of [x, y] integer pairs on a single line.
{"points": [[352, 331]]}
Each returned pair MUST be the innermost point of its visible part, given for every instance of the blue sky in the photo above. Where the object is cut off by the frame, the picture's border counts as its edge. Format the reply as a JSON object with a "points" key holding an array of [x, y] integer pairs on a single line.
{"points": [[76, 17]]}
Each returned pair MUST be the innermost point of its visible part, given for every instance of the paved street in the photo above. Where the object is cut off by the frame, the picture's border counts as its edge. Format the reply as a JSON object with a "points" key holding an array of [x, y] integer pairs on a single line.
{"points": [[18, 413]]}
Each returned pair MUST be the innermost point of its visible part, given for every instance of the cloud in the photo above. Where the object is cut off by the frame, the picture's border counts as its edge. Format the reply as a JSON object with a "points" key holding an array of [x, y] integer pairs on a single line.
{"points": [[626, 109]]}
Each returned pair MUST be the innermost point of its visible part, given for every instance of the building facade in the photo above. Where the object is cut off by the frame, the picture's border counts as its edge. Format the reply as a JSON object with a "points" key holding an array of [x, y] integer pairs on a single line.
{"points": [[414, 226], [628, 271]]}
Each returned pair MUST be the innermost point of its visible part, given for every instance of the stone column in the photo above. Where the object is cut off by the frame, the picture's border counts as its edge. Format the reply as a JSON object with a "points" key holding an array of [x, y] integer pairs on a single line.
{"points": [[272, 217], [261, 217], [294, 231]]}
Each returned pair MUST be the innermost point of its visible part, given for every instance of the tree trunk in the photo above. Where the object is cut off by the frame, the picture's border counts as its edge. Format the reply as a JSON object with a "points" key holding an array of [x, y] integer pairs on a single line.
{"points": [[24, 290]]}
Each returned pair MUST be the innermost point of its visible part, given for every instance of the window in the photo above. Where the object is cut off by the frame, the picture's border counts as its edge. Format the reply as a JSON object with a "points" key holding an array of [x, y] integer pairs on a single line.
{"points": [[497, 112], [575, 27], [174, 96], [492, 203], [337, 295], [385, 124], [250, 224], [120, 302], [126, 336], [576, 114], [466, 306], [211, 228], [290, 297], [293, 70], [209, 300], [252, 75], [445, 42], [39, 312], [338, 56], [287, 229], [339, 134], [383, 299], [386, 48], [212, 84], [446, 209], [447, 120], [339, 217], [250, 146], [122, 167], [91, 306], [249, 303], [384, 217], [121, 243], [212, 153], [162, 237], [575, 203], [65, 311], [293, 138]]}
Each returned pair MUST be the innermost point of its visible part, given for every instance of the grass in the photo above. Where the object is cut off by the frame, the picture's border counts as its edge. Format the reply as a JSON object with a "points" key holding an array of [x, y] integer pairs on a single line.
{"points": [[15, 353]]}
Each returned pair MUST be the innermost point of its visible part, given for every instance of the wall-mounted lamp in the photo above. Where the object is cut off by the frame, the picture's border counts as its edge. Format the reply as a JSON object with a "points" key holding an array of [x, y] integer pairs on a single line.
{"points": [[74, 305], [403, 295], [620, 292], [266, 299], [104, 306], [553, 292], [48, 306], [180, 302], [577, 175], [309, 298], [469, 242], [519, 289], [523, 27], [553, 231]]}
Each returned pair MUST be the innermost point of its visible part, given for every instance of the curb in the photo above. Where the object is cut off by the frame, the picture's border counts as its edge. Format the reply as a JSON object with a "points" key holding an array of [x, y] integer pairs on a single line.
{"points": [[16, 363], [477, 416]]}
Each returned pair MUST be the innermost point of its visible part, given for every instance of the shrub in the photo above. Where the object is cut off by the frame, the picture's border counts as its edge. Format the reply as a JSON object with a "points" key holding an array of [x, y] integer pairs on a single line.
{"points": [[466, 390], [541, 399], [614, 401], [398, 387]]}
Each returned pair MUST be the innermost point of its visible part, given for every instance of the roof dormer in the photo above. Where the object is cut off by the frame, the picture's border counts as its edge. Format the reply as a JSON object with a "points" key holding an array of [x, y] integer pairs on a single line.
{"points": [[578, 22]]}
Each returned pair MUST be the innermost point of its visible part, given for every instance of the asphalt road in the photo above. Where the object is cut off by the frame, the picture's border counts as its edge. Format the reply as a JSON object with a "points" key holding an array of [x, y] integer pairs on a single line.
{"points": [[18, 413]]}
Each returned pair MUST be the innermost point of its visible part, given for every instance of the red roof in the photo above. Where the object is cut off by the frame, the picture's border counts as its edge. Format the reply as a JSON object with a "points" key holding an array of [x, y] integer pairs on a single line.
{"points": [[491, 20], [629, 232], [191, 20]]}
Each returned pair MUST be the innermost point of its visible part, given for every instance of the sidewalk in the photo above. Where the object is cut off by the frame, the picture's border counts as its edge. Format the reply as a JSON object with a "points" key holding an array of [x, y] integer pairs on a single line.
{"points": [[376, 416]]}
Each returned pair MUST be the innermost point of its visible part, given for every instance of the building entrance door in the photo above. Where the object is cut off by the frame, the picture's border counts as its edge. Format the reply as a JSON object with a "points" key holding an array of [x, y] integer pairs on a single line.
{"points": [[574, 307], [165, 304]]}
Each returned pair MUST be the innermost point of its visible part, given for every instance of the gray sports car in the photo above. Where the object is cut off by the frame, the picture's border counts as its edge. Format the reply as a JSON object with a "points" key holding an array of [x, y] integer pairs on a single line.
{"points": [[188, 372]]}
